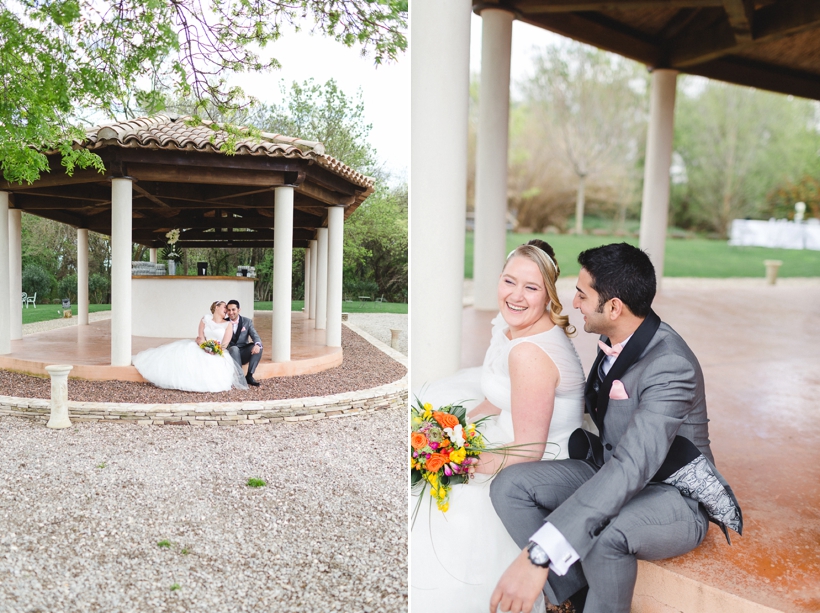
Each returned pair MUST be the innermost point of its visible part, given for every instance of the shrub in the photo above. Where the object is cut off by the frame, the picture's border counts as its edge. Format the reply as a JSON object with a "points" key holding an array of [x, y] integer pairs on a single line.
{"points": [[98, 288], [67, 288], [36, 280]]}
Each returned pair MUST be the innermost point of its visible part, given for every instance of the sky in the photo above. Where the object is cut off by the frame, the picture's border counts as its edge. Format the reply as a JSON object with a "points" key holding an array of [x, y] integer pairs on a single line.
{"points": [[385, 88]]}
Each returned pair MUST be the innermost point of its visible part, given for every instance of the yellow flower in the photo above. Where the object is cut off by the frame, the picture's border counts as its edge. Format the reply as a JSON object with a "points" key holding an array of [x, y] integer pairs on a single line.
{"points": [[416, 421], [428, 410], [442, 493], [443, 506], [432, 478], [458, 455]]}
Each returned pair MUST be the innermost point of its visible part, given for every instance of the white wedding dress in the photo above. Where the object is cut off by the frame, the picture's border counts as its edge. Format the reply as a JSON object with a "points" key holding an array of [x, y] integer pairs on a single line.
{"points": [[457, 557], [182, 365]]}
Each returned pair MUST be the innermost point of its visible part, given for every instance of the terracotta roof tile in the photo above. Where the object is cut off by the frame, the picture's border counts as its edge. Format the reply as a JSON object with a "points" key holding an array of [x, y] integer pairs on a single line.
{"points": [[176, 133]]}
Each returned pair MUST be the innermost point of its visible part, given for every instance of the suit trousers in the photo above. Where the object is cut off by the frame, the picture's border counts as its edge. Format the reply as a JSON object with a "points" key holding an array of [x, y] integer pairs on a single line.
{"points": [[657, 523], [242, 355]]}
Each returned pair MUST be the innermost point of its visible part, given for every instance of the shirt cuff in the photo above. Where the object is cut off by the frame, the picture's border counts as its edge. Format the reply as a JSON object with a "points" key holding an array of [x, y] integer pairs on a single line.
{"points": [[562, 554]]}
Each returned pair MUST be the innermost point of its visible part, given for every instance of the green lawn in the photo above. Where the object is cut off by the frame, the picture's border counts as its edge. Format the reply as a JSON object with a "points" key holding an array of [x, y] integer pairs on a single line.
{"points": [[698, 257], [347, 307], [45, 312]]}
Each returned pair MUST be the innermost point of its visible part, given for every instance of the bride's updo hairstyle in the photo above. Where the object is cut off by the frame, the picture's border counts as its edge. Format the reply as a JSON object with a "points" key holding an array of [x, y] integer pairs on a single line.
{"points": [[543, 255], [216, 304]]}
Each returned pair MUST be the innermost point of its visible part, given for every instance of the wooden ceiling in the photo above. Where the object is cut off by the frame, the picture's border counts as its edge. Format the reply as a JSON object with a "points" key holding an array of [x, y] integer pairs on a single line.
{"points": [[768, 44], [216, 200]]}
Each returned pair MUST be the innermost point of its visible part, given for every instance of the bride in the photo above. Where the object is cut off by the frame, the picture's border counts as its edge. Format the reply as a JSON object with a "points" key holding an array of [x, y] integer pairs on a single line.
{"points": [[532, 384], [183, 365]]}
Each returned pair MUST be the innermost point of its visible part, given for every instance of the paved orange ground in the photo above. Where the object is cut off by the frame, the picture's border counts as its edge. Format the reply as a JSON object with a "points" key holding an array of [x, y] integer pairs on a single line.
{"points": [[89, 349], [760, 353]]}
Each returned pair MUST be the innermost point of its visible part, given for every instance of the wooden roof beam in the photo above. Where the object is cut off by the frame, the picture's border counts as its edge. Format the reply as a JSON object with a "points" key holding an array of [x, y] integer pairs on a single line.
{"points": [[609, 36], [701, 43], [751, 74], [540, 7], [79, 176]]}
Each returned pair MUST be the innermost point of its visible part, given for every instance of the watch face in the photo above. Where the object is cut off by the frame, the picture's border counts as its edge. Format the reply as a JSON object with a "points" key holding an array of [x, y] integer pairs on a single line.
{"points": [[538, 556]]}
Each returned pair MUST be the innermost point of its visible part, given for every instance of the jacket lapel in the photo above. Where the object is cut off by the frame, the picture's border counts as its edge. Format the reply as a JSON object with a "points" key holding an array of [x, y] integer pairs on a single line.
{"points": [[591, 390], [235, 337], [631, 353]]}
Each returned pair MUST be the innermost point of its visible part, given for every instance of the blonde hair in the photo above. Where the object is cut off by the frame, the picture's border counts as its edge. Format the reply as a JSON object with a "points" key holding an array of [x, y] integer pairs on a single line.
{"points": [[548, 266], [216, 304]]}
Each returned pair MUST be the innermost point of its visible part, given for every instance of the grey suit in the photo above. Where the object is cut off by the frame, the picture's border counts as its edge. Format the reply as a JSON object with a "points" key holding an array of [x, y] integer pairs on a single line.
{"points": [[242, 343], [610, 512]]}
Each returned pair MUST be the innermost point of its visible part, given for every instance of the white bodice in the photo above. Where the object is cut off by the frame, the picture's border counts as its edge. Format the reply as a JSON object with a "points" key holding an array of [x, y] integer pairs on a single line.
{"points": [[214, 331]]}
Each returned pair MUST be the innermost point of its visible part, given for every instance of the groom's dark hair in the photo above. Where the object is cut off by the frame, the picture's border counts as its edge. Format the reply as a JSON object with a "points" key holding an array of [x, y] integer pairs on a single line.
{"points": [[622, 271], [236, 302]]}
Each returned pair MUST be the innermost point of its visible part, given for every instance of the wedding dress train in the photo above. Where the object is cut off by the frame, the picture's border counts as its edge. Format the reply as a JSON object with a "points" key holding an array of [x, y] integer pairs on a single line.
{"points": [[182, 365], [457, 557]]}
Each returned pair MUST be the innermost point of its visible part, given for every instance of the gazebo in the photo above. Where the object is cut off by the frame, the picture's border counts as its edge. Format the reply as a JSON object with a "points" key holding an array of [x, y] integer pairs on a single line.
{"points": [[220, 190], [770, 44]]}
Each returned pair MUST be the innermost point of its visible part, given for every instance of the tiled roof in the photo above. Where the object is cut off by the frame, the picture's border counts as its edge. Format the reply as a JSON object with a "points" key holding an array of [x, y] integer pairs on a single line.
{"points": [[180, 134]]}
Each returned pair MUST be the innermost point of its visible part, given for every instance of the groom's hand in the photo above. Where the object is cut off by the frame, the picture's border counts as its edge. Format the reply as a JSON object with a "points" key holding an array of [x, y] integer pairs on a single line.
{"points": [[518, 588]]}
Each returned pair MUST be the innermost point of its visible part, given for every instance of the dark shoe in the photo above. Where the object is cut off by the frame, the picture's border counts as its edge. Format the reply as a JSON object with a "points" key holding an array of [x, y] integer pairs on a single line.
{"points": [[252, 381]]}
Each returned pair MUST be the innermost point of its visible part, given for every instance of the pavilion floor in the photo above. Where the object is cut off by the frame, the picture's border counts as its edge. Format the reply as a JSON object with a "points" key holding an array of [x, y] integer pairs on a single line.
{"points": [[758, 347], [88, 349]]}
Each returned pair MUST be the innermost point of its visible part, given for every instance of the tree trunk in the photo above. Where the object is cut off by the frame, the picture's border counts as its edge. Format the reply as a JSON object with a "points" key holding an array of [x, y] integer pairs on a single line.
{"points": [[579, 206]]}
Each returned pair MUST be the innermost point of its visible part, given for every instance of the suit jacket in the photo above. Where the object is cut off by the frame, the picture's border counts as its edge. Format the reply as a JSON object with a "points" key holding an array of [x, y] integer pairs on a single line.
{"points": [[245, 334], [666, 398]]}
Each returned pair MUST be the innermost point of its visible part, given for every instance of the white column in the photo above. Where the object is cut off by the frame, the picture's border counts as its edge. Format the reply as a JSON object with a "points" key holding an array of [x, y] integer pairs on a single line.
{"points": [[121, 272], [282, 272], [152, 255], [15, 273], [491, 158], [321, 279], [307, 282], [5, 304], [335, 251], [313, 261], [655, 204], [82, 276], [439, 98]]}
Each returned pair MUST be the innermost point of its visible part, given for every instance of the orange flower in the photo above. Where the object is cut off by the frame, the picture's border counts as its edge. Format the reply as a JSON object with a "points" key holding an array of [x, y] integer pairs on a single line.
{"points": [[444, 443], [418, 440], [445, 420], [435, 462]]}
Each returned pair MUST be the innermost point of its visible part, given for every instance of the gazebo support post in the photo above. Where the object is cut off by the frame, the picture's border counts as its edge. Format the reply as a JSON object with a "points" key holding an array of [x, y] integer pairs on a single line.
{"points": [[82, 276], [335, 241], [121, 195], [16, 273], [491, 157], [152, 255], [282, 272], [314, 250], [655, 203], [321, 280], [5, 304], [439, 93], [308, 288]]}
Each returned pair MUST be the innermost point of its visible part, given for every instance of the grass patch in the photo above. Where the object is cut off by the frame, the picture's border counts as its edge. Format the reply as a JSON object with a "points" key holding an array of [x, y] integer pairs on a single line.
{"points": [[698, 257], [347, 306], [47, 312], [165, 544], [102, 465], [175, 587], [256, 482]]}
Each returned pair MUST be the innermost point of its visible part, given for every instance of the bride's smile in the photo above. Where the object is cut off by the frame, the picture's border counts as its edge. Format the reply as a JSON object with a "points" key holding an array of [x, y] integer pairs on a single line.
{"points": [[522, 297]]}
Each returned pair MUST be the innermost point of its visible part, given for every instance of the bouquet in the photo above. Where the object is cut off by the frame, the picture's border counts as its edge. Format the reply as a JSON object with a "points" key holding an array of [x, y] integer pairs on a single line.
{"points": [[444, 449], [212, 347]]}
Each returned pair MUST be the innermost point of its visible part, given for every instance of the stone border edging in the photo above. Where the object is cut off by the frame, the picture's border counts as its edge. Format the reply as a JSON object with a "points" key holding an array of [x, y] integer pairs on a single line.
{"points": [[244, 413]]}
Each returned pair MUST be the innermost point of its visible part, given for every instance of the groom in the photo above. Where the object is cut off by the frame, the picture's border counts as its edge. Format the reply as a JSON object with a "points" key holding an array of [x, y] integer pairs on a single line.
{"points": [[584, 523], [245, 346]]}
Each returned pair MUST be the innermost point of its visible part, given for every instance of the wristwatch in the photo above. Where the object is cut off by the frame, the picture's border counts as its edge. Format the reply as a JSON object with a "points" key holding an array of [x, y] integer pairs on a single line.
{"points": [[537, 555]]}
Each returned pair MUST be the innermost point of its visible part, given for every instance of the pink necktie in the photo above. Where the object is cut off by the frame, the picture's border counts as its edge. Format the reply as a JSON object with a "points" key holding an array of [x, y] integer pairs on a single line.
{"points": [[613, 351]]}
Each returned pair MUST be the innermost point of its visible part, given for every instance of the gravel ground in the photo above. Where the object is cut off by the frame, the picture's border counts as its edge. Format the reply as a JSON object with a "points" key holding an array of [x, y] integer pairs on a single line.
{"points": [[364, 366], [379, 325], [82, 512]]}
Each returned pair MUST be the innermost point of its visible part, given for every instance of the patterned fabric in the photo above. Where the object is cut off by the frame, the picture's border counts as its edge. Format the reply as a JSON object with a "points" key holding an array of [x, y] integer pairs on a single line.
{"points": [[697, 481]]}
